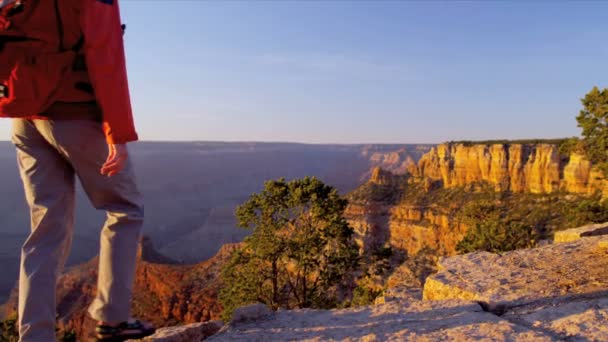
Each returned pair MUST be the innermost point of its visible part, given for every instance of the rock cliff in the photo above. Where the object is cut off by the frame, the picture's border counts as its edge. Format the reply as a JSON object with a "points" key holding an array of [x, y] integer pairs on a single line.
{"points": [[421, 211], [380, 216], [534, 168], [406, 228]]}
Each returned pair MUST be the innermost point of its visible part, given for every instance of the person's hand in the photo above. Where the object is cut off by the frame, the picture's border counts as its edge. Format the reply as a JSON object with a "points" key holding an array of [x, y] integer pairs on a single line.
{"points": [[117, 159]]}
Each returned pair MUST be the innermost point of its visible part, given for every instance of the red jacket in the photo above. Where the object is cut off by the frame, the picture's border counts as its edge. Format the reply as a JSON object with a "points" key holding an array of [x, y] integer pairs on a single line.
{"points": [[99, 22], [105, 56]]}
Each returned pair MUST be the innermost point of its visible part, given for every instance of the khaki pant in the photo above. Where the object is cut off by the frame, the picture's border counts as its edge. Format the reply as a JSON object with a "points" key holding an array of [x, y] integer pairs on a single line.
{"points": [[50, 154]]}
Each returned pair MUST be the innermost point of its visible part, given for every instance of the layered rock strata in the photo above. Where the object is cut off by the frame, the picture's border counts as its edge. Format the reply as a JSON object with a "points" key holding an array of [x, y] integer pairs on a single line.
{"points": [[534, 168], [404, 227]]}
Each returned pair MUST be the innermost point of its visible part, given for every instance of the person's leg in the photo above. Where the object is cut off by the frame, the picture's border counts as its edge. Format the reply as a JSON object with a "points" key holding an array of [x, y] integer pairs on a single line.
{"points": [[83, 143], [48, 181]]}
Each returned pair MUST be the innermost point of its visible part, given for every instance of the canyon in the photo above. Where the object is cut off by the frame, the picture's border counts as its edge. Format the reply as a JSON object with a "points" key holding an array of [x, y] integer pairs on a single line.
{"points": [[170, 293], [191, 190]]}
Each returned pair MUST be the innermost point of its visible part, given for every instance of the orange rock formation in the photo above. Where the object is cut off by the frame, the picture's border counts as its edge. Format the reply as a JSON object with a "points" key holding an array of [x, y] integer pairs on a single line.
{"points": [[535, 168]]}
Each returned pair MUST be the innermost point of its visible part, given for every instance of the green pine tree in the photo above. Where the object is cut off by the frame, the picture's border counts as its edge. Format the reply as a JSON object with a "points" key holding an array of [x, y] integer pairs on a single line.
{"points": [[300, 252], [593, 119]]}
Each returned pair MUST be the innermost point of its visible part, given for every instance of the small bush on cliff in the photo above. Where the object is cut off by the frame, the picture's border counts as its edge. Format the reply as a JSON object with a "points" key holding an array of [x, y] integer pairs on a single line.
{"points": [[300, 252], [587, 210], [384, 193], [569, 146], [593, 119], [516, 221], [497, 236], [365, 293]]}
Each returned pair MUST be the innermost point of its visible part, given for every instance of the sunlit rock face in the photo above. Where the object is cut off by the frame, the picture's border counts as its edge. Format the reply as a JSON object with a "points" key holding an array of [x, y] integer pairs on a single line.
{"points": [[520, 168], [534, 168]]}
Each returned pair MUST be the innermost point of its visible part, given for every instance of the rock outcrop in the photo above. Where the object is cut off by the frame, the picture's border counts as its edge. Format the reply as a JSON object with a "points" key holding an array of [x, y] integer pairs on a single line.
{"points": [[521, 277], [405, 227], [534, 168], [455, 320], [552, 293], [575, 234], [189, 332], [381, 176]]}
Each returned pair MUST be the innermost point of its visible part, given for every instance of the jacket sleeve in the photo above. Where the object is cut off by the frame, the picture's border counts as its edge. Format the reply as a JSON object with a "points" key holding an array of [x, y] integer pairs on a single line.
{"points": [[105, 57]]}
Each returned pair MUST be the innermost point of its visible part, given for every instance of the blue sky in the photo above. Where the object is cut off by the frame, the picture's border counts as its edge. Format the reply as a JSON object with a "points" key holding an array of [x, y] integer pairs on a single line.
{"points": [[362, 72]]}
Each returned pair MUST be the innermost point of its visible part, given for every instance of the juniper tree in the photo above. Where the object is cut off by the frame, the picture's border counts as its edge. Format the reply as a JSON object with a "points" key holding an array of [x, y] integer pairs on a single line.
{"points": [[593, 119], [301, 250]]}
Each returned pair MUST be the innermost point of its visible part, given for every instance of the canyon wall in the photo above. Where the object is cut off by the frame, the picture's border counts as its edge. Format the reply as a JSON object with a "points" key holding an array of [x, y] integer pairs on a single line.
{"points": [[519, 168], [405, 228], [534, 168]]}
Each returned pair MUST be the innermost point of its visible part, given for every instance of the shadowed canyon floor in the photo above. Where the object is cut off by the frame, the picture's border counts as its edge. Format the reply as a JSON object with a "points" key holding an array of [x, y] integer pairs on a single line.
{"points": [[553, 293]]}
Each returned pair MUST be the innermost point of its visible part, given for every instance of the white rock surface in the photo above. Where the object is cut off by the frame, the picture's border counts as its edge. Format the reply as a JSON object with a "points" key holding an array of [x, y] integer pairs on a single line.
{"points": [[253, 312], [185, 333], [584, 320], [454, 320], [524, 276]]}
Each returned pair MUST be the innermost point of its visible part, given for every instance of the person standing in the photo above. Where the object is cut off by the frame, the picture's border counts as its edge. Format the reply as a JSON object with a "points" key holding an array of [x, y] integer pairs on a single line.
{"points": [[63, 81]]}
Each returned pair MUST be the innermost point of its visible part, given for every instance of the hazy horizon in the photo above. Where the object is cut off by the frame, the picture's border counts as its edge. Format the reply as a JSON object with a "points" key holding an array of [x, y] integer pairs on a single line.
{"points": [[334, 143]]}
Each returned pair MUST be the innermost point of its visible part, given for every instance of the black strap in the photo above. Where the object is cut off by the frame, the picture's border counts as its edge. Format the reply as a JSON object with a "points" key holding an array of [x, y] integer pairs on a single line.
{"points": [[79, 44], [15, 8], [84, 86], [3, 91]]}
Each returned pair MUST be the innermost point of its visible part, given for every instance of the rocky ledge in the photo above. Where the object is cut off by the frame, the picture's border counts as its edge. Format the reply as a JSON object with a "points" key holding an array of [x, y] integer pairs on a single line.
{"points": [[557, 292]]}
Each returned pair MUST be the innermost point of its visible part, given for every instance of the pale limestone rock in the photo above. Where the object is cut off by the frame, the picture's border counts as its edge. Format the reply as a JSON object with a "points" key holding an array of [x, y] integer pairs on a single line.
{"points": [[585, 319], [396, 321], [574, 234], [185, 333], [522, 277], [251, 313]]}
